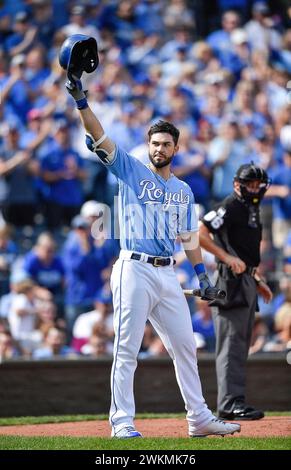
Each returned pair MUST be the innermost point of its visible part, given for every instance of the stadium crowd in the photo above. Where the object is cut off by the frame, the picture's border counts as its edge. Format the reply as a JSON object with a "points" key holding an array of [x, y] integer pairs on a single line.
{"points": [[222, 76]]}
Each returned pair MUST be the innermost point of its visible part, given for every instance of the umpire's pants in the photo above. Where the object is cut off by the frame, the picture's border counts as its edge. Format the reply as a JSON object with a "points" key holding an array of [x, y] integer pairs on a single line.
{"points": [[233, 336]]}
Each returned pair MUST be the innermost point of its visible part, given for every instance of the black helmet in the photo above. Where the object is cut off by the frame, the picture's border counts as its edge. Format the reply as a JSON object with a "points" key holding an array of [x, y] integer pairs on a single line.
{"points": [[251, 172], [78, 54]]}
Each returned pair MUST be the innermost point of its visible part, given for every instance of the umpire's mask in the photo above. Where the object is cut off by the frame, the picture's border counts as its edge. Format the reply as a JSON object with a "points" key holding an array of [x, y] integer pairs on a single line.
{"points": [[248, 173]]}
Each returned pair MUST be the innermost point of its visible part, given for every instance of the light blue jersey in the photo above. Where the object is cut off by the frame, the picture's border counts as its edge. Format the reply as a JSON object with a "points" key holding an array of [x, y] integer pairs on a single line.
{"points": [[152, 210]]}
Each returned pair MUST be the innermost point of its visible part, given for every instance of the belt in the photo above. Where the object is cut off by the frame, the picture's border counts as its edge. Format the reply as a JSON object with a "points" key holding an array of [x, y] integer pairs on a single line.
{"points": [[251, 270], [156, 261]]}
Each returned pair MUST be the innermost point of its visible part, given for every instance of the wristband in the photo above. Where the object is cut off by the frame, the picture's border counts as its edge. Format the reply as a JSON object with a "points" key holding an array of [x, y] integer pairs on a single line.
{"points": [[199, 269], [82, 103]]}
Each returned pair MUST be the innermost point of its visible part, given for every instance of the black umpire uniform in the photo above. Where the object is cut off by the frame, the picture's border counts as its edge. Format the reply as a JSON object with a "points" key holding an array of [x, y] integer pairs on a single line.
{"points": [[236, 232]]}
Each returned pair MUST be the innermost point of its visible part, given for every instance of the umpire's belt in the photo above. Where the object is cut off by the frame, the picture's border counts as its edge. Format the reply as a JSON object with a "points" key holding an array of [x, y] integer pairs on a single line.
{"points": [[251, 270], [157, 261], [223, 269]]}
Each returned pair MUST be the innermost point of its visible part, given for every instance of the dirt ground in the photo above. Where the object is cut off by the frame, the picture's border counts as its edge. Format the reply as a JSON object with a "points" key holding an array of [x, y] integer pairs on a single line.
{"points": [[267, 427]]}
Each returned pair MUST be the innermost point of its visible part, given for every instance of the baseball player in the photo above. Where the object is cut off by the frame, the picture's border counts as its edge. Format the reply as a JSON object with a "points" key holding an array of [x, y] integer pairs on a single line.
{"points": [[154, 206]]}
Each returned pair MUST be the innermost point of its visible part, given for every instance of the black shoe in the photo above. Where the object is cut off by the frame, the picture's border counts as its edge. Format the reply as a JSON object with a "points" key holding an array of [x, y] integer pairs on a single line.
{"points": [[242, 412]]}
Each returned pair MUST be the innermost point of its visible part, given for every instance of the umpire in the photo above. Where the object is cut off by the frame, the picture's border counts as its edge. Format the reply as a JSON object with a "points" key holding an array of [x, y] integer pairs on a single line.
{"points": [[233, 232]]}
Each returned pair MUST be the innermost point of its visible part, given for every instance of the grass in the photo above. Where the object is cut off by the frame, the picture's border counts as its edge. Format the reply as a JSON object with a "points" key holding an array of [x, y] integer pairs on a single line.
{"points": [[16, 421], [92, 443], [95, 443]]}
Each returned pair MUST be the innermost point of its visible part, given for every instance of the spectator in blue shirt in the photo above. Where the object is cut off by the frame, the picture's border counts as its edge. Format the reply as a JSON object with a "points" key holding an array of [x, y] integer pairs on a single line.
{"points": [[202, 323], [190, 165], [36, 70], [281, 192], [84, 262], [17, 170], [128, 131], [45, 267], [44, 20], [143, 52], [14, 93], [120, 17], [149, 17], [220, 41], [62, 170], [53, 345], [24, 35], [226, 153], [261, 29], [181, 38]]}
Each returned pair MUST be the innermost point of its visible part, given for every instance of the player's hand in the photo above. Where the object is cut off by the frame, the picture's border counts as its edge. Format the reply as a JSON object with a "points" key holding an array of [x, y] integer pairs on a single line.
{"points": [[207, 290], [75, 88]]}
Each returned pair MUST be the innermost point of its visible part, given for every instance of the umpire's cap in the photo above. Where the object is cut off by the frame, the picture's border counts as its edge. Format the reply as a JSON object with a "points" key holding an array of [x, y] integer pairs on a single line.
{"points": [[79, 53], [251, 172]]}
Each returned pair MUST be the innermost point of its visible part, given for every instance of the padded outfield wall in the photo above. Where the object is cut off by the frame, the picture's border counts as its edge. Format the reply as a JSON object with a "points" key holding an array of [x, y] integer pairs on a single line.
{"points": [[35, 388]]}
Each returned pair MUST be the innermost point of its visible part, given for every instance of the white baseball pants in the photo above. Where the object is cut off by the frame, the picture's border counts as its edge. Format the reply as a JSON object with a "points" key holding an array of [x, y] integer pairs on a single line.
{"points": [[143, 292]]}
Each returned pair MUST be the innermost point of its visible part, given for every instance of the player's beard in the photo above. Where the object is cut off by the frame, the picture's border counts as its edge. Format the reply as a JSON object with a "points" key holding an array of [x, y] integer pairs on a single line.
{"points": [[165, 162]]}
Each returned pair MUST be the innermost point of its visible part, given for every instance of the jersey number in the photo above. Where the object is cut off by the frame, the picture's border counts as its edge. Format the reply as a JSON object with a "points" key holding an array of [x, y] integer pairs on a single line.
{"points": [[217, 222]]}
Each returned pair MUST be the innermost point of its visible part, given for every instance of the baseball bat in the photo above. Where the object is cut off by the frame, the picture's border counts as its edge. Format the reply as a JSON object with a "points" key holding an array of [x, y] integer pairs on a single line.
{"points": [[221, 294]]}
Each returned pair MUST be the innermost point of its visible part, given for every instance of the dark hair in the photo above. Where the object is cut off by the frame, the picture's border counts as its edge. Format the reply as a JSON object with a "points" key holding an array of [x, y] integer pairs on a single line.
{"points": [[164, 126]]}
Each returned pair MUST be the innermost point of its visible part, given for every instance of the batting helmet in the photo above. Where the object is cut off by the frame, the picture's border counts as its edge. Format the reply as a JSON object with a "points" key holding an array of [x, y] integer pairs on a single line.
{"points": [[79, 53]]}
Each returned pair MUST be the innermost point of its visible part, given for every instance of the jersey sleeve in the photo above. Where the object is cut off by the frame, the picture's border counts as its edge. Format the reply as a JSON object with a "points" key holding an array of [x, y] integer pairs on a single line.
{"points": [[216, 219], [122, 164]]}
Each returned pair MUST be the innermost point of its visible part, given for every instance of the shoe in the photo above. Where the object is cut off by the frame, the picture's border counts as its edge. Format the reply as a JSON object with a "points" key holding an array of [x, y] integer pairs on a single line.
{"points": [[126, 432], [215, 427], [242, 412]]}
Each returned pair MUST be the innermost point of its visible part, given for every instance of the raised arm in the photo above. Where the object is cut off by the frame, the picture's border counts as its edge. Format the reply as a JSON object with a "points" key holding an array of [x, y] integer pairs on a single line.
{"points": [[96, 139], [79, 54]]}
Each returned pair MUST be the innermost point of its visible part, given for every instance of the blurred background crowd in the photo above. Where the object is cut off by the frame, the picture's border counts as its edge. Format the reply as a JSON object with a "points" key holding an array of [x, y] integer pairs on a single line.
{"points": [[219, 70]]}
